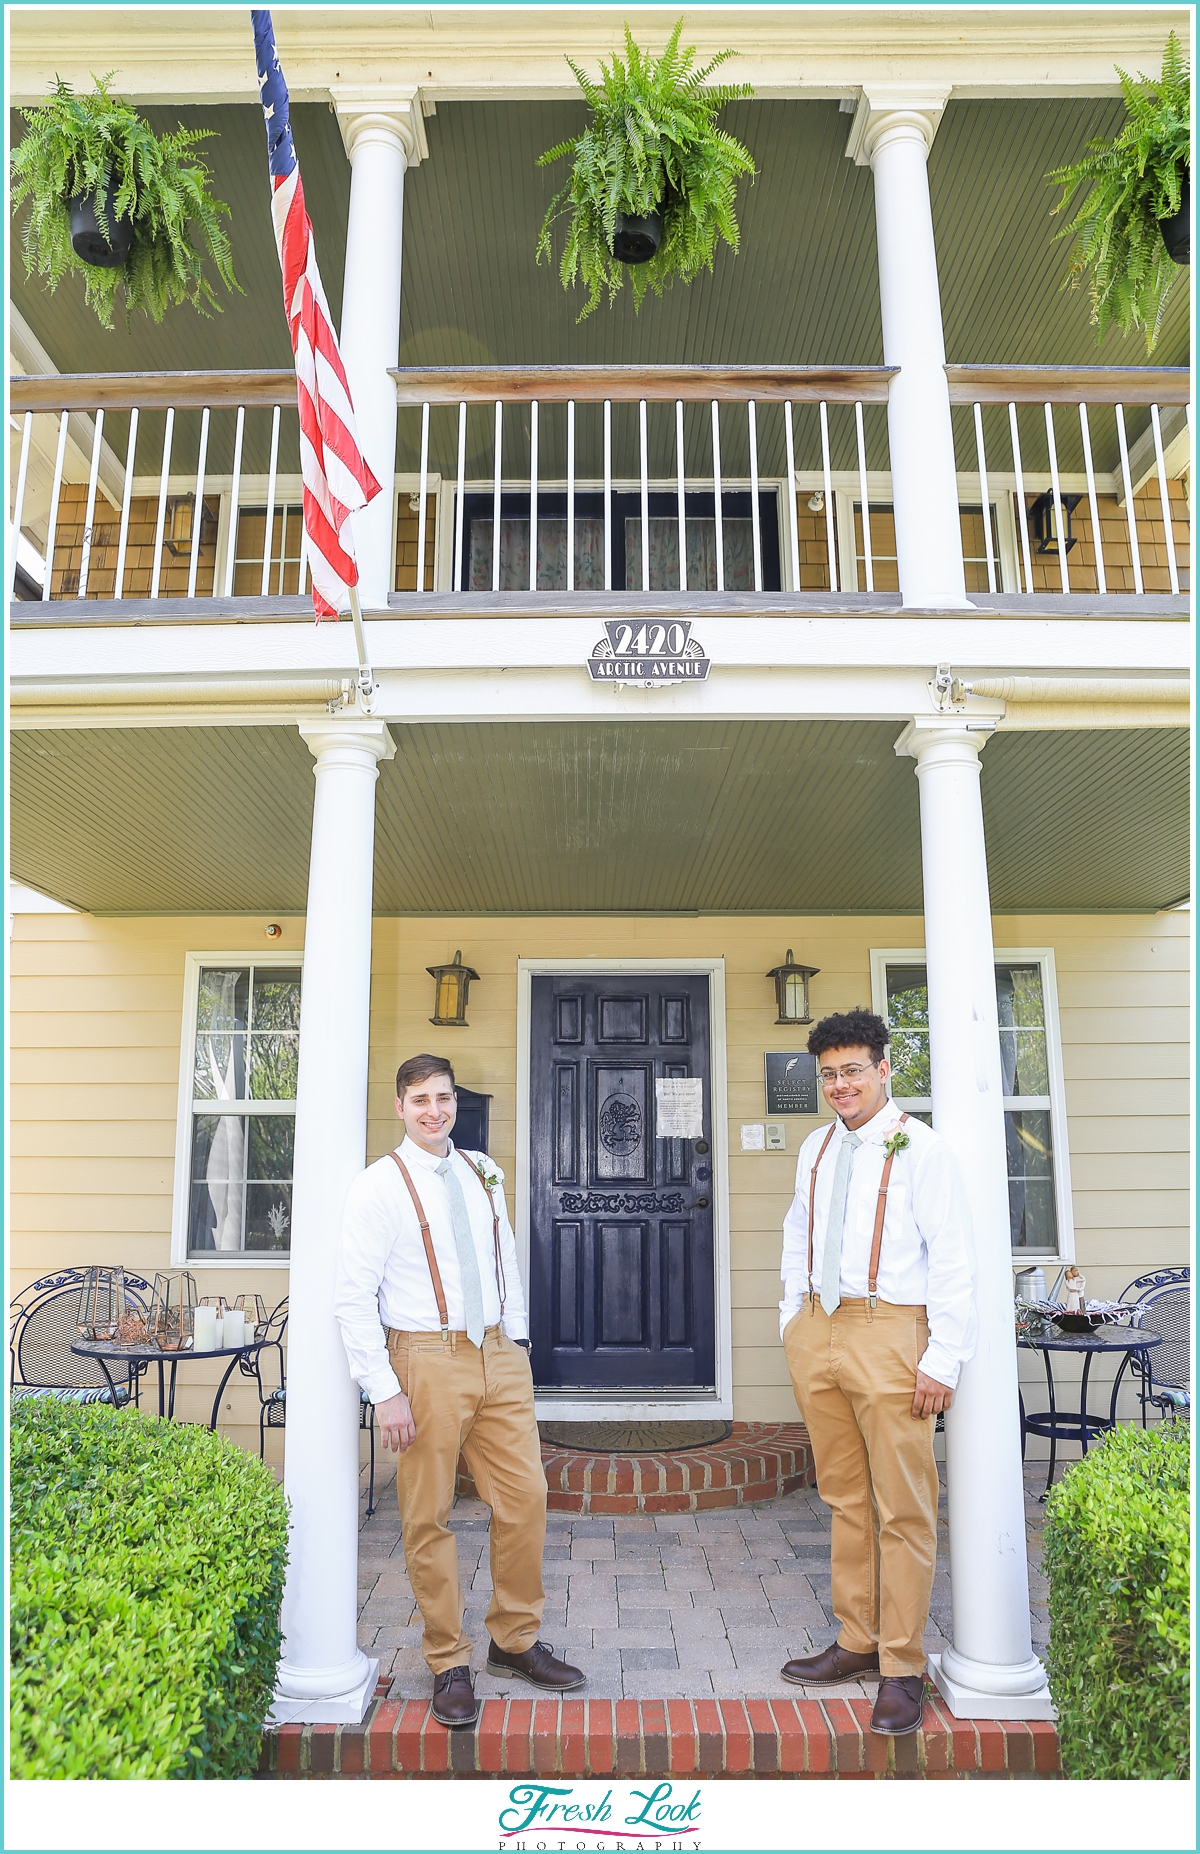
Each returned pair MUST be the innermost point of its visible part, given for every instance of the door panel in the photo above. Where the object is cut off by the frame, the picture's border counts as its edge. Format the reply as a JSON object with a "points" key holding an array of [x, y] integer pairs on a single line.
{"points": [[622, 1264]]}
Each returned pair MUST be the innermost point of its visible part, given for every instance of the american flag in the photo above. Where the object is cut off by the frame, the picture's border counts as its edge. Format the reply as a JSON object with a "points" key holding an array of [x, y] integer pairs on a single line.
{"points": [[337, 478]]}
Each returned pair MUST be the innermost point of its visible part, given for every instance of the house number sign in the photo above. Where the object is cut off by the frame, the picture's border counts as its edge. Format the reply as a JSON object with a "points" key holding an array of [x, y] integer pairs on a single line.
{"points": [[648, 650]]}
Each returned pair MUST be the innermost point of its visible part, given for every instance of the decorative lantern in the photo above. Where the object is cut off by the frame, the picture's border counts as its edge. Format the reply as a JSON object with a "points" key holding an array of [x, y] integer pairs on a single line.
{"points": [[102, 1303], [1044, 518], [177, 533], [450, 994], [171, 1320], [254, 1310], [791, 990]]}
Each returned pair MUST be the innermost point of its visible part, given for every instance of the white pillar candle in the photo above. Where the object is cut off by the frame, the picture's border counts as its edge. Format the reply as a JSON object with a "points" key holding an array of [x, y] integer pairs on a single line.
{"points": [[204, 1330], [233, 1329]]}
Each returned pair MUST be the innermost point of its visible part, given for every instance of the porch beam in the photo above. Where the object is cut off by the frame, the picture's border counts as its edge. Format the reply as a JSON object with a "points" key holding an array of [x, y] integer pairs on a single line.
{"points": [[1072, 386], [484, 385]]}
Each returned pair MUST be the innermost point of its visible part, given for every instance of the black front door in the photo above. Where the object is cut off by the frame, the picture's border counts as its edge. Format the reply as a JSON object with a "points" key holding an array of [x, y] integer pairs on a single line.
{"points": [[621, 1267]]}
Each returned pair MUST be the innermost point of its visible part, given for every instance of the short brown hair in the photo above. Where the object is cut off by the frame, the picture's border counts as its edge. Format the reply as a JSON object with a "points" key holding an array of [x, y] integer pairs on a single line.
{"points": [[419, 1069]]}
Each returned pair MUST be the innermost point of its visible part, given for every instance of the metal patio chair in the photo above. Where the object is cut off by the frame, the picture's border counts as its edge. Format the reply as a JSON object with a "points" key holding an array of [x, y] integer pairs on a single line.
{"points": [[1162, 1376], [43, 1326], [270, 1375]]}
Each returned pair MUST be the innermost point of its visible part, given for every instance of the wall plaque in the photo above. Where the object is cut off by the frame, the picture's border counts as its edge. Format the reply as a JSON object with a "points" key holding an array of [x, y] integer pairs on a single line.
{"points": [[648, 650], [791, 1082]]}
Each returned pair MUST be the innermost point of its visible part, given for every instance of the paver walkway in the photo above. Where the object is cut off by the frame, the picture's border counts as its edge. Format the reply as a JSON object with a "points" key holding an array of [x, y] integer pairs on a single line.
{"points": [[655, 1608]]}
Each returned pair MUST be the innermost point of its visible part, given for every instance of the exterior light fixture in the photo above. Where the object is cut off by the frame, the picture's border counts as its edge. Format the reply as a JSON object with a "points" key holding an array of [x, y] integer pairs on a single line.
{"points": [[450, 992], [178, 532], [791, 990], [816, 501], [1044, 518]]}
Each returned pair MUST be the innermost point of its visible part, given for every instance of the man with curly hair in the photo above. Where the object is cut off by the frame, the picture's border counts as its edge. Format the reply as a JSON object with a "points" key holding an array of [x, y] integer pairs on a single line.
{"points": [[877, 1319]]}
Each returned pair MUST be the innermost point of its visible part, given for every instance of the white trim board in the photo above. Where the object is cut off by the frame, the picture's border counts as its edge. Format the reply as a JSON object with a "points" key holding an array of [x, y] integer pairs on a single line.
{"points": [[686, 1406]]}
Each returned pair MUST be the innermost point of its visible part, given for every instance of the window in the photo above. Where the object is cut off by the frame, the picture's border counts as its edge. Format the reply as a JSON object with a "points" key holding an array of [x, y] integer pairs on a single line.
{"points": [[287, 537], [241, 1054], [1034, 1109]]}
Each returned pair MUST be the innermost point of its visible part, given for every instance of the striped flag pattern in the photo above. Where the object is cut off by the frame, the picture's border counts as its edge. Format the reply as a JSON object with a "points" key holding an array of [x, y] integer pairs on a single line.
{"points": [[337, 478]]}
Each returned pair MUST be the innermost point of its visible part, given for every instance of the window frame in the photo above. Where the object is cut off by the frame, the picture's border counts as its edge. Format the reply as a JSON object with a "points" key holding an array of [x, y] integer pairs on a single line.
{"points": [[1043, 957], [181, 1205]]}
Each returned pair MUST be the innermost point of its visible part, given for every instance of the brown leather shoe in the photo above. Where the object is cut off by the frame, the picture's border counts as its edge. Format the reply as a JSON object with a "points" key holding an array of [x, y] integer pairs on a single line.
{"points": [[537, 1665], [899, 1704], [454, 1701], [831, 1666]]}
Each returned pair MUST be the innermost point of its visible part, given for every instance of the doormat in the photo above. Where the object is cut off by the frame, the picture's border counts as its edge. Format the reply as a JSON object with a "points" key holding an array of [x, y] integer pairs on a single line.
{"points": [[633, 1438]]}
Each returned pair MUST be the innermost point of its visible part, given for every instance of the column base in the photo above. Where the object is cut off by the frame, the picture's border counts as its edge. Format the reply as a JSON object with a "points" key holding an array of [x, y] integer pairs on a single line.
{"points": [[347, 1708], [971, 1703]]}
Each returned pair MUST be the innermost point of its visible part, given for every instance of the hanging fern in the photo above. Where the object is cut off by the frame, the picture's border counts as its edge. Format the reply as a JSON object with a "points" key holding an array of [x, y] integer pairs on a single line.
{"points": [[1136, 181], [82, 144], [652, 143]]}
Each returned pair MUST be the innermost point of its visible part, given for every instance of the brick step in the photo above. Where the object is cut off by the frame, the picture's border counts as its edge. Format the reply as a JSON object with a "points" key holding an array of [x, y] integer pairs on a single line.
{"points": [[827, 1739], [758, 1461]]}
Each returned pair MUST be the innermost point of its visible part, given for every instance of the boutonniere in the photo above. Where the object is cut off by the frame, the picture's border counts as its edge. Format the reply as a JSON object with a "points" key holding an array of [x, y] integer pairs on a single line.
{"points": [[492, 1179], [897, 1142]]}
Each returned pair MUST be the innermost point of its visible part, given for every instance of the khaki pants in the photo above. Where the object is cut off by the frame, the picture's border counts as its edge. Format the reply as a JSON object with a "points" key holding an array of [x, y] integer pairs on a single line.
{"points": [[854, 1377], [477, 1400]]}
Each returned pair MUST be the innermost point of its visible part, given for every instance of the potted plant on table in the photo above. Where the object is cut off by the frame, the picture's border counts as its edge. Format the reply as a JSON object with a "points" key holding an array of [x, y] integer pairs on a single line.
{"points": [[654, 179], [115, 202], [1132, 229]]}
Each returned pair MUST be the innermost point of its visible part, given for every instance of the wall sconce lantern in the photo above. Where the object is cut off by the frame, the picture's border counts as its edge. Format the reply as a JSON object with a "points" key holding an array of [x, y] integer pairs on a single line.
{"points": [[1044, 519], [791, 990], [178, 529], [451, 984]]}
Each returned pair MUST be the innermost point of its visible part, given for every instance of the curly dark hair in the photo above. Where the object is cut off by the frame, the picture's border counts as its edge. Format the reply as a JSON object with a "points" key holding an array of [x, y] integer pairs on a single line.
{"points": [[856, 1029]]}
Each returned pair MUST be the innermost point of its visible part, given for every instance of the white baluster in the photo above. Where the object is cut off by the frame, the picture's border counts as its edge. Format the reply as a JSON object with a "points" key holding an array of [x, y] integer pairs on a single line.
{"points": [[793, 525], [1097, 537], [198, 514], [89, 516], [570, 495], [1165, 498], [458, 512], [302, 566], [55, 493], [717, 497], [533, 494], [983, 496], [645, 497], [1022, 512], [268, 530], [1059, 514], [497, 461], [424, 490], [827, 477], [19, 503], [1130, 518], [235, 490], [680, 498], [163, 479], [608, 534], [868, 563], [752, 423], [126, 496]]}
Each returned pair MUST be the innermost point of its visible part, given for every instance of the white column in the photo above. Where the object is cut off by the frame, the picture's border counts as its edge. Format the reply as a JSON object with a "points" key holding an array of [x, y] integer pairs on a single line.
{"points": [[383, 131], [893, 130], [324, 1676], [990, 1671]]}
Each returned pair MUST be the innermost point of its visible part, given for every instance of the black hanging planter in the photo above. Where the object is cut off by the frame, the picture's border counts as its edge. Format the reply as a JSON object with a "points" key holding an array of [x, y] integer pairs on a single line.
{"points": [[1177, 230], [636, 241], [88, 240]]}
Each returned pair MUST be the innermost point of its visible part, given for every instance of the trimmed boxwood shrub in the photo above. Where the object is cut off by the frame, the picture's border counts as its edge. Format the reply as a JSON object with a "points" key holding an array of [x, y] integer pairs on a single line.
{"points": [[147, 1572], [1116, 1552]]}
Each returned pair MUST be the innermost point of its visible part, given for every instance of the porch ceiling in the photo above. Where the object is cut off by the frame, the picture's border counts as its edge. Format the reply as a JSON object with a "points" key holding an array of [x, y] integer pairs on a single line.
{"points": [[802, 291], [596, 818]]}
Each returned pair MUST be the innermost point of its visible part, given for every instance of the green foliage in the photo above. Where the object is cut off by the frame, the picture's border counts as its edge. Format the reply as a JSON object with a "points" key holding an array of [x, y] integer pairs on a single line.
{"points": [[1116, 1551], [1136, 181], [147, 1573], [76, 145], [652, 142]]}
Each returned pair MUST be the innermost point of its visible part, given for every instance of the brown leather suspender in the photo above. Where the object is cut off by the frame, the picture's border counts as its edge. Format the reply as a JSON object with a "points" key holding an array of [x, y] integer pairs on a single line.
{"points": [[880, 1213], [434, 1271]]}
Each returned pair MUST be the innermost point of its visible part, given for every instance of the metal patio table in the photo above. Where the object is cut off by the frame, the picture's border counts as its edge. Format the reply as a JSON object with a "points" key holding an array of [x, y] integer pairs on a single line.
{"points": [[1077, 1425], [142, 1356]]}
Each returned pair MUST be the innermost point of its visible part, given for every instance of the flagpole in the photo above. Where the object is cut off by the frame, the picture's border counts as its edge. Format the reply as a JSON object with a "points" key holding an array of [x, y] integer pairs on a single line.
{"points": [[366, 682]]}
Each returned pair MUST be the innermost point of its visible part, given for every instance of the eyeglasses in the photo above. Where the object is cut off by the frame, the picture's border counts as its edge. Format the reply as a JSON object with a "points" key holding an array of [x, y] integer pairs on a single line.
{"points": [[851, 1072]]}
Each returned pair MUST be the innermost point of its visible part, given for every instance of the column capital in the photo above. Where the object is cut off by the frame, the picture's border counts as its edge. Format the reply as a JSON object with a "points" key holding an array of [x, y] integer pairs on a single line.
{"points": [[360, 740], [391, 113], [888, 109], [945, 737]]}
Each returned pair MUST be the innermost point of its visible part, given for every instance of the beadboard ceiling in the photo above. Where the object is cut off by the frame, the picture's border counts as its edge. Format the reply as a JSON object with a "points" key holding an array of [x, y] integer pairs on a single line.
{"points": [[596, 818]]}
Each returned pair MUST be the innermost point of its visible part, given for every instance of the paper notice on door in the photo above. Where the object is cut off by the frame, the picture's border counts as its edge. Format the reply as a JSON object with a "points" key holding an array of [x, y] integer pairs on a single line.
{"points": [[679, 1107]]}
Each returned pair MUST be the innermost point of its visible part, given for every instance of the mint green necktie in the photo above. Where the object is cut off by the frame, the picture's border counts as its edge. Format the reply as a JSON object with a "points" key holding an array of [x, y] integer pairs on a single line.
{"points": [[468, 1261], [831, 1255]]}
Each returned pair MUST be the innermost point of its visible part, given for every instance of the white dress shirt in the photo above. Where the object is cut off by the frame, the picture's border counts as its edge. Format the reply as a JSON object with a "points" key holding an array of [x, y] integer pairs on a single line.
{"points": [[383, 1277], [927, 1256]]}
